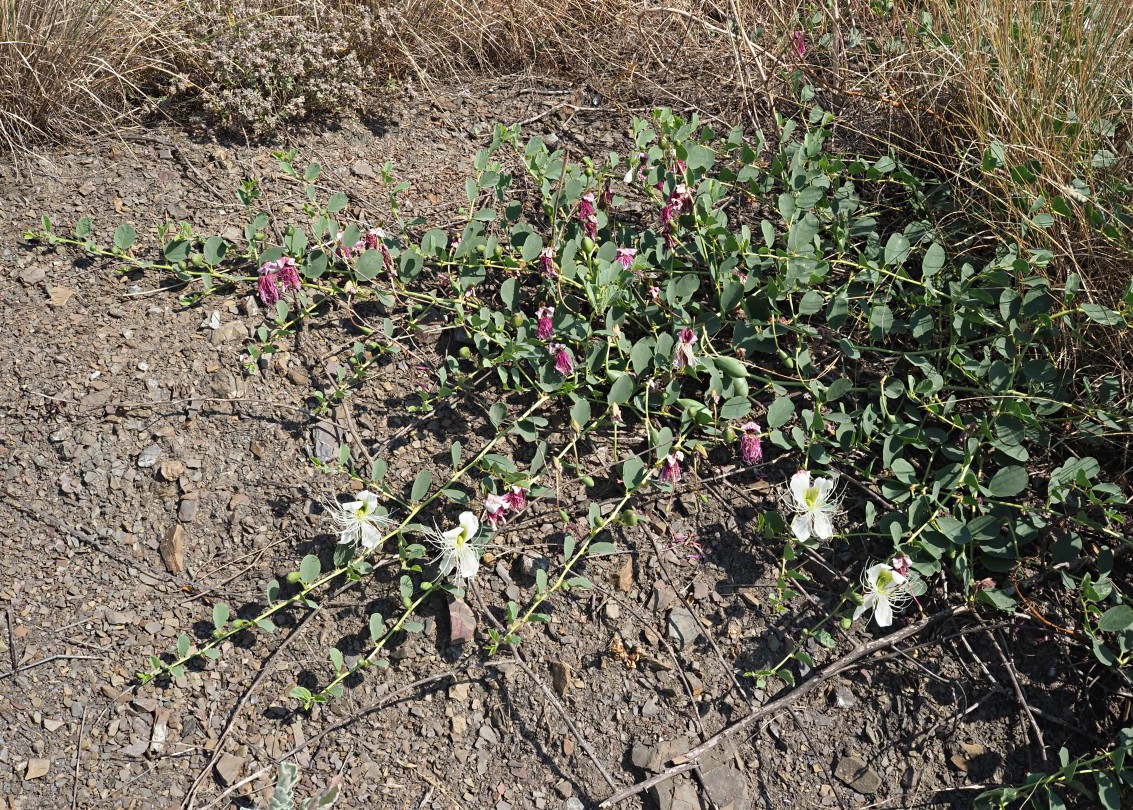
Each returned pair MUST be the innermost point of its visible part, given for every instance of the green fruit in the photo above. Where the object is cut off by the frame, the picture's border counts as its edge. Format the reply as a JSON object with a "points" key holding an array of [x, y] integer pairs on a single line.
{"points": [[498, 252], [197, 260], [465, 352], [517, 319], [587, 244], [588, 480], [739, 387], [730, 366], [481, 249], [294, 577], [629, 518], [729, 434]]}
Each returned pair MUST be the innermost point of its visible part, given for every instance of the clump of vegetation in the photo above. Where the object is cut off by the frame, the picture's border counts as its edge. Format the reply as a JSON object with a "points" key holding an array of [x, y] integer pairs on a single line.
{"points": [[692, 300], [257, 70], [71, 66]]}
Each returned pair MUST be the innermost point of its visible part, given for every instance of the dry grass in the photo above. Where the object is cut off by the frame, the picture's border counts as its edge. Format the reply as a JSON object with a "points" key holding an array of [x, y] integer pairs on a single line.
{"points": [[68, 67]]}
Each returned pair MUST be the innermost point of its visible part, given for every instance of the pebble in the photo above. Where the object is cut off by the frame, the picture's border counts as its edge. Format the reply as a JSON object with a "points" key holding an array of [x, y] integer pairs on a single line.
{"points": [[684, 629], [858, 775], [462, 622], [37, 768], [229, 769], [560, 677], [149, 456]]}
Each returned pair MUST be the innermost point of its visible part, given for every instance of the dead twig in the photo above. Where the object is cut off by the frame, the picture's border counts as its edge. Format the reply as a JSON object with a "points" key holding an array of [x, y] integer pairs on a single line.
{"points": [[688, 760], [997, 642], [78, 760], [583, 744], [48, 660], [219, 748]]}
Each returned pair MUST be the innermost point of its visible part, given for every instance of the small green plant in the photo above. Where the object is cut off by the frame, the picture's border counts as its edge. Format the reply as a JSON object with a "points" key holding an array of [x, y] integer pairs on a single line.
{"points": [[283, 798]]}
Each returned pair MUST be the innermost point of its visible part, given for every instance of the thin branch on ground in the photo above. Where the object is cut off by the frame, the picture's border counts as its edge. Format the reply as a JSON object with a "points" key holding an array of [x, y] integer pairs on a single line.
{"points": [[997, 642], [688, 760]]}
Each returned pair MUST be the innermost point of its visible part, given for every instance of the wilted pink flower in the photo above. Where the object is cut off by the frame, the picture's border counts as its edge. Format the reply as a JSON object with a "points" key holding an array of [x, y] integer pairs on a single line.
{"points": [[986, 584], [547, 263], [750, 448], [496, 508], [563, 362], [288, 273], [625, 256], [587, 216], [546, 328], [798, 42], [901, 565], [387, 260], [268, 291], [371, 239], [655, 294], [671, 467], [606, 198], [683, 355], [516, 499]]}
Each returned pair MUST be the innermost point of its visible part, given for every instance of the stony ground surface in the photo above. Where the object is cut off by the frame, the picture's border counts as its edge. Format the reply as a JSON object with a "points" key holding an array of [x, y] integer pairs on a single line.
{"points": [[126, 423]]}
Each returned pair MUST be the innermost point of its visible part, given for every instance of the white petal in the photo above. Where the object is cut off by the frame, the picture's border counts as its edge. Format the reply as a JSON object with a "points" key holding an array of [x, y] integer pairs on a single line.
{"points": [[369, 500], [452, 535], [873, 572], [862, 608], [822, 525], [469, 562], [352, 506], [448, 562], [371, 537], [824, 486], [800, 481], [883, 613], [629, 176], [469, 524], [801, 526]]}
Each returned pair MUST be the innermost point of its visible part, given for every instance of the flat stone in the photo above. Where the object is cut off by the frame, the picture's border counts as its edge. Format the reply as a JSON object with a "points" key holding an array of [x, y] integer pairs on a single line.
{"points": [[118, 618], [684, 629], [858, 775], [229, 769], [228, 332], [727, 787], [58, 296], [33, 275], [462, 622], [37, 768], [172, 549]]}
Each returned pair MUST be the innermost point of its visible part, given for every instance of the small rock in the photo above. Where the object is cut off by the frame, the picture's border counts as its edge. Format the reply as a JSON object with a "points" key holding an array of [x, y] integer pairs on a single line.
{"points": [[187, 510], [727, 788], [37, 768], [684, 629], [32, 275], [858, 775], [171, 469], [160, 730], [623, 579], [560, 677], [362, 169], [229, 769], [462, 622], [149, 456], [118, 618], [172, 548], [973, 749], [52, 725], [58, 296], [645, 757], [257, 448], [573, 803], [228, 332], [844, 698]]}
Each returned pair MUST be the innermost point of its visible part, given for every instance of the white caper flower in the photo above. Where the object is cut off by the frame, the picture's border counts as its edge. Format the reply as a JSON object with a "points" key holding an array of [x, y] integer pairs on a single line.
{"points": [[359, 521], [459, 555]]}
